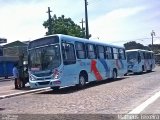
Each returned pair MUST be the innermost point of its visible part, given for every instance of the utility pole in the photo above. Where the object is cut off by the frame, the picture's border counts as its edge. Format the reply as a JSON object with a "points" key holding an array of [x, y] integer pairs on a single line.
{"points": [[152, 34], [82, 23], [50, 21], [83, 26], [86, 19]]}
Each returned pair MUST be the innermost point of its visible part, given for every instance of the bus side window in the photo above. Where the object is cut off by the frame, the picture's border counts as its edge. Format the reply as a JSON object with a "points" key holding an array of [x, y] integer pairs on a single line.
{"points": [[150, 55], [121, 54], [147, 55], [124, 54], [109, 52], [91, 51], [80, 50], [142, 55], [139, 57], [101, 52], [115, 53], [153, 56], [68, 53]]}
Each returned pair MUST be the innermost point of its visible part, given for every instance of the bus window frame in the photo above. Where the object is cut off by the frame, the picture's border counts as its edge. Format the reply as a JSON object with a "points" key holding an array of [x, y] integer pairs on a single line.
{"points": [[119, 54], [139, 58], [98, 52], [69, 62], [84, 49], [109, 54], [142, 55], [115, 53], [94, 47]]}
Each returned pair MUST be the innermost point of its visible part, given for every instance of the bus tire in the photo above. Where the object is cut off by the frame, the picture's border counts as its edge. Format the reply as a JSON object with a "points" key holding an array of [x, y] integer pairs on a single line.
{"points": [[56, 88], [125, 74], [143, 70], [150, 68], [114, 74], [82, 80]]}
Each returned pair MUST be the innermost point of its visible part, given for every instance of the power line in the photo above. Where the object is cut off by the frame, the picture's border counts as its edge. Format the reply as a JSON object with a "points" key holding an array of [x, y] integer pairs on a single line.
{"points": [[82, 21]]}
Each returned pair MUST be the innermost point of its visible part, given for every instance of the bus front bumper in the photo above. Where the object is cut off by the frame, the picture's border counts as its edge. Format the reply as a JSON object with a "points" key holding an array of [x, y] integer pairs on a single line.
{"points": [[133, 69], [41, 84]]}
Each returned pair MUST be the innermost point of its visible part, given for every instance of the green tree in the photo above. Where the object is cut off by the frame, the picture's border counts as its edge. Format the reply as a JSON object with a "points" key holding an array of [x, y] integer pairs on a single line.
{"points": [[62, 25], [134, 45], [155, 48]]}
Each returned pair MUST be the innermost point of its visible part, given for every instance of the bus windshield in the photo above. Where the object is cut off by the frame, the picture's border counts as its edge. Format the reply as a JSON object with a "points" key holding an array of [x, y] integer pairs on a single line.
{"points": [[132, 56], [44, 58]]}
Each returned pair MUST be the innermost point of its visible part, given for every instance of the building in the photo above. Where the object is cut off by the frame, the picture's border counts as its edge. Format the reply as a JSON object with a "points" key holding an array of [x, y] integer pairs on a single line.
{"points": [[15, 49], [15, 52], [1, 51]]}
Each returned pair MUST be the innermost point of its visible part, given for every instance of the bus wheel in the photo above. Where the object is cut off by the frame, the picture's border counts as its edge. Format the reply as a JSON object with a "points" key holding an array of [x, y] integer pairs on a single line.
{"points": [[82, 81], [125, 74], [55, 88], [143, 69], [150, 69], [114, 76]]}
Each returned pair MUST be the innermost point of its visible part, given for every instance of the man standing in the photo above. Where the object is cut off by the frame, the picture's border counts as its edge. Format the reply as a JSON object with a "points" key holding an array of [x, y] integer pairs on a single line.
{"points": [[16, 76], [21, 77]]}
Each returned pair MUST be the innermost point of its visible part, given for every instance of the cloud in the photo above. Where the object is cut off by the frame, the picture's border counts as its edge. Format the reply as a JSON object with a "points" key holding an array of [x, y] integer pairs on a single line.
{"points": [[123, 13], [22, 21], [113, 25], [156, 41]]}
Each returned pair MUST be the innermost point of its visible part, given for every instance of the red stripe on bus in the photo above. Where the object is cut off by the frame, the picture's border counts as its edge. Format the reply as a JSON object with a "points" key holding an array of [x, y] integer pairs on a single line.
{"points": [[95, 70]]}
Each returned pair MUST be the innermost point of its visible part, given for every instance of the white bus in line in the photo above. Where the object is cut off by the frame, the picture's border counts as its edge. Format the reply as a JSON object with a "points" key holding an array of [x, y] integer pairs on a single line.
{"points": [[140, 60], [61, 60]]}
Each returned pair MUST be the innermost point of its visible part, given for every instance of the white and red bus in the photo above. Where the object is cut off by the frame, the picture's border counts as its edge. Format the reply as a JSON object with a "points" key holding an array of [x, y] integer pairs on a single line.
{"points": [[61, 60], [140, 60]]}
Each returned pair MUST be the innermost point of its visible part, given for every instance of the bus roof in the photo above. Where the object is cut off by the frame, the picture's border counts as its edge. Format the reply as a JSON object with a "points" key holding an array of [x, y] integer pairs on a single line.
{"points": [[72, 38], [132, 50]]}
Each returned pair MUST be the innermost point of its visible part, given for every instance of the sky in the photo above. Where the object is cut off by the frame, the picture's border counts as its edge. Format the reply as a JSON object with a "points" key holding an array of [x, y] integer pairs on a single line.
{"points": [[110, 21]]}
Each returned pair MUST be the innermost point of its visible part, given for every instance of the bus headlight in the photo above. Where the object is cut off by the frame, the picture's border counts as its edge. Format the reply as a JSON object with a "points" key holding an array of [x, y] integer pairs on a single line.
{"points": [[56, 74], [130, 66], [32, 78]]}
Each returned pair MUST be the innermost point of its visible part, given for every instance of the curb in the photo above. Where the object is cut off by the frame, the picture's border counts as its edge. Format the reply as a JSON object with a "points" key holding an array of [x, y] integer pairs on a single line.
{"points": [[23, 93], [8, 79]]}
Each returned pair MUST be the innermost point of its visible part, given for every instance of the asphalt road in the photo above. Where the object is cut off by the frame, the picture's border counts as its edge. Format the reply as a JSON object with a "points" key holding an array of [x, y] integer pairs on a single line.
{"points": [[4, 82], [106, 97]]}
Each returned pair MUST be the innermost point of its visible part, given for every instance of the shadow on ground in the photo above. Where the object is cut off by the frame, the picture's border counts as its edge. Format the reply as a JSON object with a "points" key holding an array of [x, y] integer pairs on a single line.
{"points": [[143, 73], [73, 89]]}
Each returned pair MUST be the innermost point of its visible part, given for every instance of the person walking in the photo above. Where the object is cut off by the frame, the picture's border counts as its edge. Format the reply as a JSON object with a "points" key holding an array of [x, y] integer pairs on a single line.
{"points": [[16, 76]]}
